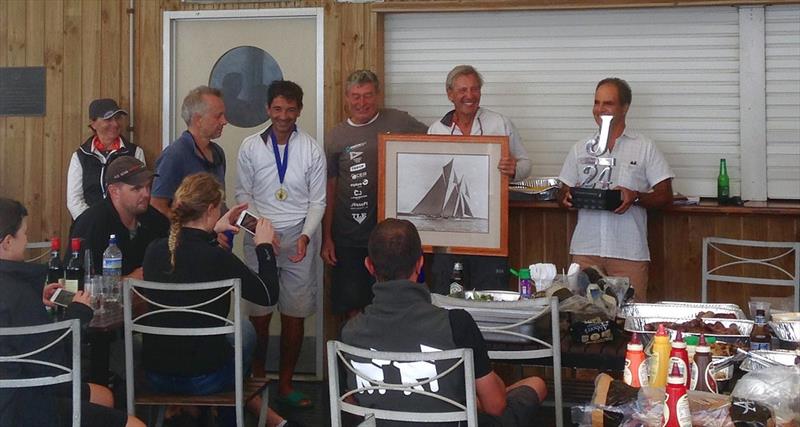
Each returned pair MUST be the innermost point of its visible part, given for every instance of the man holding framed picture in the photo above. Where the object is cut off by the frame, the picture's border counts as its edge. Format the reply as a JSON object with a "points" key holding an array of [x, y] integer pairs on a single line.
{"points": [[463, 87]]}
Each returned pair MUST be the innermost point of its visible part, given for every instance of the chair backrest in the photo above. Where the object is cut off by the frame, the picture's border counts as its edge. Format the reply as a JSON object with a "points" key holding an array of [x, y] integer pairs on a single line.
{"points": [[70, 374], [512, 323], [373, 381], [133, 324], [787, 251]]}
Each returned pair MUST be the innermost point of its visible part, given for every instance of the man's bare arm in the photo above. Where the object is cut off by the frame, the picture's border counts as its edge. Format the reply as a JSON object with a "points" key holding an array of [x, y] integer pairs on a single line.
{"points": [[328, 251], [162, 205], [660, 197]]}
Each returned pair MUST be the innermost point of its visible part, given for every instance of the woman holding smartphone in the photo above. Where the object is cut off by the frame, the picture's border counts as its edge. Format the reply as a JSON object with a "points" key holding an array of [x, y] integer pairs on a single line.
{"points": [[22, 304], [204, 364]]}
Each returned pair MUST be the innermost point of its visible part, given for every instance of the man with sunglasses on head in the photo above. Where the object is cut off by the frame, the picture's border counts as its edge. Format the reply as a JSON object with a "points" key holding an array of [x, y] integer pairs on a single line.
{"points": [[463, 87]]}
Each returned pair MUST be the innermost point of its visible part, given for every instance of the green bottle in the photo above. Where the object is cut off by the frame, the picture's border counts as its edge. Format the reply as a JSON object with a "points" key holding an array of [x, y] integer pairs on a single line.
{"points": [[723, 183]]}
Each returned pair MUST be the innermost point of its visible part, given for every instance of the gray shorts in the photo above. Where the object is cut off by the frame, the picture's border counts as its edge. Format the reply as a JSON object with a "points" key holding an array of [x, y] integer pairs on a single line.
{"points": [[298, 281]]}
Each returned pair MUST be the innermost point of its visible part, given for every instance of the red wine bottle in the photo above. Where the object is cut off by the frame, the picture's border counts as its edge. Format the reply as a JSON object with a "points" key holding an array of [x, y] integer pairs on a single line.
{"points": [[73, 273]]}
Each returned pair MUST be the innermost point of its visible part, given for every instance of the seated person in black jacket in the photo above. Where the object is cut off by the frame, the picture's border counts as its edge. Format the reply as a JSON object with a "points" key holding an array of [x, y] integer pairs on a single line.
{"points": [[23, 292], [204, 364], [126, 213], [402, 318]]}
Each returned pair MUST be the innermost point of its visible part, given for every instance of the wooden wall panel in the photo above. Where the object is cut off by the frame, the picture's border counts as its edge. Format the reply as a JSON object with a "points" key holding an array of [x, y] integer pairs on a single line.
{"points": [[34, 126], [53, 173], [675, 241], [84, 45]]}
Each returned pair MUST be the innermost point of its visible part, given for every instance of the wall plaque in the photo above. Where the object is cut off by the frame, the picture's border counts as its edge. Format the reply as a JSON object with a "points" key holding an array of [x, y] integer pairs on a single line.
{"points": [[22, 91]]}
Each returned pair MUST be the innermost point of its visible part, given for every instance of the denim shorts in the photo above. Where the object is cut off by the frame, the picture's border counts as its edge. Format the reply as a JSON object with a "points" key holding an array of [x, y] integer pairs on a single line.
{"points": [[220, 380]]}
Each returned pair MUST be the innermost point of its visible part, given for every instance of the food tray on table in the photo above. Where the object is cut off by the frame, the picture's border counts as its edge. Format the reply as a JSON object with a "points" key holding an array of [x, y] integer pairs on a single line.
{"points": [[780, 357], [680, 310], [639, 325], [498, 313]]}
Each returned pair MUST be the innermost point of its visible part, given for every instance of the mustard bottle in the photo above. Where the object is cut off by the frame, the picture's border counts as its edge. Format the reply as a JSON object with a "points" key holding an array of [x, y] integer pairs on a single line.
{"points": [[659, 361]]}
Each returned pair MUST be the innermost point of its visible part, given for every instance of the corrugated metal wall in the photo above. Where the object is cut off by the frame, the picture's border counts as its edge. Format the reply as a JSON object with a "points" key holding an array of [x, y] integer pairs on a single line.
{"points": [[541, 68], [783, 101]]}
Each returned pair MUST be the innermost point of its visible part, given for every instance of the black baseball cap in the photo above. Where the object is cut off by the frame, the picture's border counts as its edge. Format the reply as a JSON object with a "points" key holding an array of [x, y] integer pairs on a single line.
{"points": [[104, 108], [128, 170]]}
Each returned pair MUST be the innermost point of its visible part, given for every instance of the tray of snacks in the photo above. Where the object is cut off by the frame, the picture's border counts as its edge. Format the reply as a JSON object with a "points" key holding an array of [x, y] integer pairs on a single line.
{"points": [[498, 312], [765, 358], [682, 310], [727, 330]]}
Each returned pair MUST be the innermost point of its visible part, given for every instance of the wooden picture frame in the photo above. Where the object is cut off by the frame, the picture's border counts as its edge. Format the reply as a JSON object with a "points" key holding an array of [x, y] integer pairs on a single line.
{"points": [[449, 187]]}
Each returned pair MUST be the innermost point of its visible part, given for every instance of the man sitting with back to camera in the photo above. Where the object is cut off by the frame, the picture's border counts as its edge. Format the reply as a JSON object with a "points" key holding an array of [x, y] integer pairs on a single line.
{"points": [[402, 319]]}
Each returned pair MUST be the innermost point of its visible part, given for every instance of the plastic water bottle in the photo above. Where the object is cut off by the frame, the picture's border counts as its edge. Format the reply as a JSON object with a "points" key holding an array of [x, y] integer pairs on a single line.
{"points": [[112, 269]]}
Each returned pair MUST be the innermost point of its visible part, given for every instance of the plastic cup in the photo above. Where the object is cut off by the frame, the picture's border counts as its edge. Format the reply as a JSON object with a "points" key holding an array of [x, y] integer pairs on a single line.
{"points": [[759, 305]]}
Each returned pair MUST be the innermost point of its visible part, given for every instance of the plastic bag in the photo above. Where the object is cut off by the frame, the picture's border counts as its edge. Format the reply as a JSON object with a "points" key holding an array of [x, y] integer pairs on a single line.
{"points": [[616, 404], [777, 387]]}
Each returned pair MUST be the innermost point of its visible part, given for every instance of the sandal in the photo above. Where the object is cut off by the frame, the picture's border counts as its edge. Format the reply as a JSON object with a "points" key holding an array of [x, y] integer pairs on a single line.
{"points": [[296, 400]]}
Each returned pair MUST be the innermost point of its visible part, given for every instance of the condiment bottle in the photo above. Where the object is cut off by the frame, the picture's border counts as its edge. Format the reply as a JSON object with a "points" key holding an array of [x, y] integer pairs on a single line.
{"points": [[525, 284], [457, 281], [691, 345], [676, 403], [759, 337], [679, 356], [659, 361], [702, 377], [635, 372]]}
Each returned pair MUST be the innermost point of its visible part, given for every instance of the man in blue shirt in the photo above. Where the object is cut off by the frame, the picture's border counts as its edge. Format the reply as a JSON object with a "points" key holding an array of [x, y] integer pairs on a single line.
{"points": [[194, 151]]}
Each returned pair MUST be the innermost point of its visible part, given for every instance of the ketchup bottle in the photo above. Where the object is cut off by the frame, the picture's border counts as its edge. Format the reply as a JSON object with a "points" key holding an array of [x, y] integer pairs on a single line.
{"points": [[635, 372], [676, 403], [680, 356]]}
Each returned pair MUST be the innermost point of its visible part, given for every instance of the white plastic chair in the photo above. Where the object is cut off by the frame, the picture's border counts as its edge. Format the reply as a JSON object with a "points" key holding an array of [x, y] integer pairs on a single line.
{"points": [[70, 374], [243, 389], [791, 250], [461, 357]]}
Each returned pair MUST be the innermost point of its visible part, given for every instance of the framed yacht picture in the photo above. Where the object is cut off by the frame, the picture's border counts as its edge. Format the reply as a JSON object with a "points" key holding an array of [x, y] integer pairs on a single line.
{"points": [[449, 187]]}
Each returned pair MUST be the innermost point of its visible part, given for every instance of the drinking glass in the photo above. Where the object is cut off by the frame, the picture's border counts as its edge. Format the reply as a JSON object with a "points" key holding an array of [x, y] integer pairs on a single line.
{"points": [[113, 287], [95, 288]]}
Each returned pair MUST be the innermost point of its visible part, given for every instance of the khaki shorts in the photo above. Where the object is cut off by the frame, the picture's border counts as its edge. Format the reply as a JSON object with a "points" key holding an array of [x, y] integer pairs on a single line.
{"points": [[298, 281]]}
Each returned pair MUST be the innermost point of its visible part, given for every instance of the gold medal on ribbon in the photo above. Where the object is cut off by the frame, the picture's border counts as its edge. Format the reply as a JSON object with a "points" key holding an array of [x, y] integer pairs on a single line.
{"points": [[281, 194]]}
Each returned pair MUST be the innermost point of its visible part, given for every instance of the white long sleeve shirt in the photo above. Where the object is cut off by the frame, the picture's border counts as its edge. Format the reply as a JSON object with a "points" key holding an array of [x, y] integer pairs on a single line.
{"points": [[75, 200], [304, 182], [488, 122]]}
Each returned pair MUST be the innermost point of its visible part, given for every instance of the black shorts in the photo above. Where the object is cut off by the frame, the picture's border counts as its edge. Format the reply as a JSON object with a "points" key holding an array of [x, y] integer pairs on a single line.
{"points": [[91, 414], [522, 404], [351, 283]]}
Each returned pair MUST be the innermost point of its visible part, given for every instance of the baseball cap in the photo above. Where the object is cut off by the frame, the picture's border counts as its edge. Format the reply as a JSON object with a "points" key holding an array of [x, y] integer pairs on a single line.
{"points": [[128, 170], [104, 108]]}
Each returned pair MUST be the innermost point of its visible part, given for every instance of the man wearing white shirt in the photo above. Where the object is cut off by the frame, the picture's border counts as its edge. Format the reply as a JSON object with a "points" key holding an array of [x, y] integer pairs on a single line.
{"points": [[617, 240], [463, 85], [281, 174]]}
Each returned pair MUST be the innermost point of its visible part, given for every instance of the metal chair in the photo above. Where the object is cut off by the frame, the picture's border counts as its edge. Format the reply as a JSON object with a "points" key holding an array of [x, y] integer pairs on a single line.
{"points": [[72, 374], [368, 382], [791, 250], [512, 322], [243, 389]]}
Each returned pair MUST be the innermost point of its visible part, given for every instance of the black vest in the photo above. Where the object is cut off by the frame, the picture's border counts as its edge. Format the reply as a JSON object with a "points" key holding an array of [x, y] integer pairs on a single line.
{"points": [[401, 318], [94, 189]]}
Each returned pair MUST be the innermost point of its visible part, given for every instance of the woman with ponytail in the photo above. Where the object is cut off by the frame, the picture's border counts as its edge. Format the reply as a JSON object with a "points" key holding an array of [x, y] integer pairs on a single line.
{"points": [[205, 364]]}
